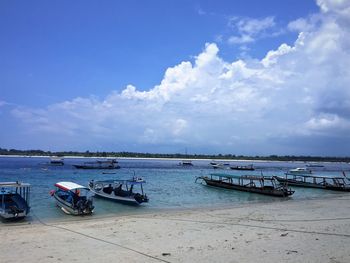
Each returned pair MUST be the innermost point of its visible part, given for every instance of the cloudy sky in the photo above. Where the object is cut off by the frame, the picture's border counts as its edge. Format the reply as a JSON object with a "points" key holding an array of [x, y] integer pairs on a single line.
{"points": [[237, 77]]}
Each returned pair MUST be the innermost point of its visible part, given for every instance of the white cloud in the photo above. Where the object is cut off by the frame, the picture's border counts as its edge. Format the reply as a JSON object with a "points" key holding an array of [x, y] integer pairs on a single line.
{"points": [[250, 29], [237, 106]]}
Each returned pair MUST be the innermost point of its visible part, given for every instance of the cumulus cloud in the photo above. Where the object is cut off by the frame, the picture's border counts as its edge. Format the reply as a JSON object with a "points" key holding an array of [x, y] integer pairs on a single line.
{"points": [[210, 104]]}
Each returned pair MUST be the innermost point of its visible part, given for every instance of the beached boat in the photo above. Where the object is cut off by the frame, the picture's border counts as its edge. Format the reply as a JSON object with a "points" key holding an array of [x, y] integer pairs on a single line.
{"points": [[248, 183], [243, 167], [73, 199], [120, 190], [299, 170], [55, 160], [14, 200], [99, 164], [311, 181]]}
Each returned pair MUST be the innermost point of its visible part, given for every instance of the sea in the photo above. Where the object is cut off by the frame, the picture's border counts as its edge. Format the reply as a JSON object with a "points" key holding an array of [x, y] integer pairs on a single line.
{"points": [[169, 185]]}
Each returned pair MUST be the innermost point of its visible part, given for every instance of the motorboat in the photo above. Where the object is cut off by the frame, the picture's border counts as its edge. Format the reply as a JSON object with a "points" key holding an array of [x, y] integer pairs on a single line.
{"points": [[14, 200], [120, 190], [73, 199], [299, 170], [248, 183], [99, 164]]}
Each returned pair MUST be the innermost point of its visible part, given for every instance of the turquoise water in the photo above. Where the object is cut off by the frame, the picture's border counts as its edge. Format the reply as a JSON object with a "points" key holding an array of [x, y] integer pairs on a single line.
{"points": [[169, 186]]}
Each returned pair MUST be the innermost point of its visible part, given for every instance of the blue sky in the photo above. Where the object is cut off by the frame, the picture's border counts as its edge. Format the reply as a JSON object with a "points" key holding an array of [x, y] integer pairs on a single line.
{"points": [[162, 76]]}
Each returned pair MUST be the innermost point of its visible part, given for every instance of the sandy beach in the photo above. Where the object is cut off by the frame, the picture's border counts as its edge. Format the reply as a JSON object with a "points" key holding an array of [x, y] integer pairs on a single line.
{"points": [[315, 230]]}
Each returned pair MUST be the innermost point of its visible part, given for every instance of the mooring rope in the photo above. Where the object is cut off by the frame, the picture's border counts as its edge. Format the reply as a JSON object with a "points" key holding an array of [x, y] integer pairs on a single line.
{"points": [[99, 239]]}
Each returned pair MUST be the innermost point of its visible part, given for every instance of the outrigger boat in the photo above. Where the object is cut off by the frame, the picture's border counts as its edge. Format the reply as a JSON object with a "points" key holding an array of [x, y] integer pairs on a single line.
{"points": [[14, 200], [248, 183], [323, 182], [73, 199], [55, 160], [119, 190], [100, 164]]}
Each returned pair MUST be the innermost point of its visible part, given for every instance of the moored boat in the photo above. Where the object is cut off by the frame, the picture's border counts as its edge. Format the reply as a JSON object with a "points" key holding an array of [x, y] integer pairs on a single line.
{"points": [[243, 167], [248, 183], [55, 160], [73, 199], [120, 190], [186, 163], [14, 200], [99, 164], [311, 181], [299, 170]]}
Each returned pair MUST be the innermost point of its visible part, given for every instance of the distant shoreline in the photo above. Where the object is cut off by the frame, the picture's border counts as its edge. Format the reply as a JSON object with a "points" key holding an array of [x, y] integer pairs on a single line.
{"points": [[166, 159]]}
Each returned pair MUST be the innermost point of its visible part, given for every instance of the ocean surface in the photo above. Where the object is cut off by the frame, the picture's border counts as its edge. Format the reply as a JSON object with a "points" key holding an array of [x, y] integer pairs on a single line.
{"points": [[169, 186]]}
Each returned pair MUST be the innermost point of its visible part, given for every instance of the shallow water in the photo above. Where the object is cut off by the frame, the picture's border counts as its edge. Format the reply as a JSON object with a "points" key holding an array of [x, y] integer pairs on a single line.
{"points": [[169, 186]]}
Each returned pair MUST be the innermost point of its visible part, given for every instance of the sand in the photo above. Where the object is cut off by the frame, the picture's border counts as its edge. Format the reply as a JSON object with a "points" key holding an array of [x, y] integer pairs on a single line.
{"points": [[315, 230]]}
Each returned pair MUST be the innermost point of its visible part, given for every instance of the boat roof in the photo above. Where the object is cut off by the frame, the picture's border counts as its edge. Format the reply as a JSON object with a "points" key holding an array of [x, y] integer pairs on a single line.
{"points": [[68, 186], [250, 177], [130, 181], [315, 176], [14, 184]]}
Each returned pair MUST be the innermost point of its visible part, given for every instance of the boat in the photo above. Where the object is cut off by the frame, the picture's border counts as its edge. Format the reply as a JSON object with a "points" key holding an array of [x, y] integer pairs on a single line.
{"points": [[120, 190], [248, 183], [186, 163], [55, 160], [311, 181], [73, 199], [99, 164], [299, 170], [14, 200], [315, 165], [243, 167]]}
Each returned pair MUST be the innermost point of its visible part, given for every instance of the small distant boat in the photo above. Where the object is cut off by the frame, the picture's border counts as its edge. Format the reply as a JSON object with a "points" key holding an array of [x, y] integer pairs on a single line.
{"points": [[55, 160], [14, 200], [186, 163], [323, 182], [248, 183], [73, 199], [243, 167], [300, 171], [314, 165], [99, 164], [120, 190]]}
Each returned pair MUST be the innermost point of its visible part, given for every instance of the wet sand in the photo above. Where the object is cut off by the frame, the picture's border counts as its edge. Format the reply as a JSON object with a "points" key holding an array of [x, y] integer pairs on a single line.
{"points": [[290, 231]]}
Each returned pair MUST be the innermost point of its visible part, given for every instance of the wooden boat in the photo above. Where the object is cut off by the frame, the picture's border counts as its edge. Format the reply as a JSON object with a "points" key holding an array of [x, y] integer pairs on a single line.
{"points": [[14, 200], [248, 183], [299, 170], [120, 190], [243, 167], [323, 182], [73, 199], [100, 164]]}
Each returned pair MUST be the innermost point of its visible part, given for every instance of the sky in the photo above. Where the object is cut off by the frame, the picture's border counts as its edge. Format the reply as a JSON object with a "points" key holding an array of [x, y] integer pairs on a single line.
{"points": [[212, 77]]}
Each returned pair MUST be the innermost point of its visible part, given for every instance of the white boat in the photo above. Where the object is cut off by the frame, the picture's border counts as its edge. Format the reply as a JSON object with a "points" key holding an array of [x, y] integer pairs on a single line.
{"points": [[14, 200], [120, 190], [73, 199], [99, 164], [186, 163], [299, 170]]}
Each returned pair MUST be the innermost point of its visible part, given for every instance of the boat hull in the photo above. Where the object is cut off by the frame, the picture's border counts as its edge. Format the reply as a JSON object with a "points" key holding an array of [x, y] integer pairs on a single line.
{"points": [[119, 199], [258, 190], [15, 207], [68, 208]]}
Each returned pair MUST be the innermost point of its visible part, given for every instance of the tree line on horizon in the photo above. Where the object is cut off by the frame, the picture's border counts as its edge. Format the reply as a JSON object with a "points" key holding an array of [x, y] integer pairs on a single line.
{"points": [[173, 155]]}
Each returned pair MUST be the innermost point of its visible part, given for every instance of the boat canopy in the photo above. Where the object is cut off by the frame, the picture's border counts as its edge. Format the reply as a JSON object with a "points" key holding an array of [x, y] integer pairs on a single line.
{"points": [[248, 177], [129, 182], [68, 186], [14, 184]]}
